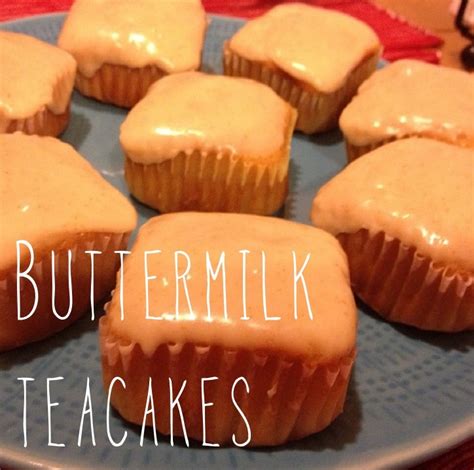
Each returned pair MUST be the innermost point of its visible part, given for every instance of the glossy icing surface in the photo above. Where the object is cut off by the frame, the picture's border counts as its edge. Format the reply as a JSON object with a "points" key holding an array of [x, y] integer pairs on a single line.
{"points": [[328, 335], [314, 45], [411, 97], [195, 111], [48, 191], [166, 33], [34, 74], [420, 191]]}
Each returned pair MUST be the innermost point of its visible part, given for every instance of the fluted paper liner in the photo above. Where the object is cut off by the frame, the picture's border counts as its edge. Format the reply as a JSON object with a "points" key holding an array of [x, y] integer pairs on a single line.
{"points": [[404, 286], [213, 181], [317, 112], [288, 398], [44, 323], [355, 151], [44, 123], [119, 85]]}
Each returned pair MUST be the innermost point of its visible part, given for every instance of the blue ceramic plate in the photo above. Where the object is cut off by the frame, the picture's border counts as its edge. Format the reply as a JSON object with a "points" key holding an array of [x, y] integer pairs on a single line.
{"points": [[411, 394]]}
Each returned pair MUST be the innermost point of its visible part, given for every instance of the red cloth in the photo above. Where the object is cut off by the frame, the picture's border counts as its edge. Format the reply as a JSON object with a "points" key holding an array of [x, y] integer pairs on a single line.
{"points": [[400, 39]]}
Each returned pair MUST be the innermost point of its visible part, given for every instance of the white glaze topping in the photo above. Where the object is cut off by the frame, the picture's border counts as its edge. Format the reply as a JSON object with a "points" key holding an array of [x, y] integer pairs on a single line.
{"points": [[410, 97], [420, 191], [166, 33], [329, 335], [49, 192], [314, 45], [194, 111], [34, 75]]}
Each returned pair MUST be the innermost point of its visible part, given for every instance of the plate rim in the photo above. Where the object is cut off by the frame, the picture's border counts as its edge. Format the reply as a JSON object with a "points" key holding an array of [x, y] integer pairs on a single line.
{"points": [[432, 445], [54, 14], [398, 456]]}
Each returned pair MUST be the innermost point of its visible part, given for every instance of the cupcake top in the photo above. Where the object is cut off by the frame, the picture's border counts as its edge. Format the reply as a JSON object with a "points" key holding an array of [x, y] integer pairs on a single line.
{"points": [[208, 113], [411, 97], [203, 321], [49, 192], [168, 34], [420, 191], [314, 45], [35, 75]]}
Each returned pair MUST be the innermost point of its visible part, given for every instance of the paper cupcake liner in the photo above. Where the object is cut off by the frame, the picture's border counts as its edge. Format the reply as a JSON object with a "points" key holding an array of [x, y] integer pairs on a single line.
{"points": [[43, 322], [52, 118], [288, 398], [404, 286], [317, 112], [44, 122], [355, 151], [212, 182], [119, 85]]}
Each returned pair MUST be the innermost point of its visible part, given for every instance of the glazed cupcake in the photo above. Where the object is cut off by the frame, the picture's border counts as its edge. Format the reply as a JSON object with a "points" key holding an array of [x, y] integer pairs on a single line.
{"points": [[404, 215], [123, 46], [312, 57], [54, 201], [410, 98], [283, 351], [208, 143], [37, 81]]}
